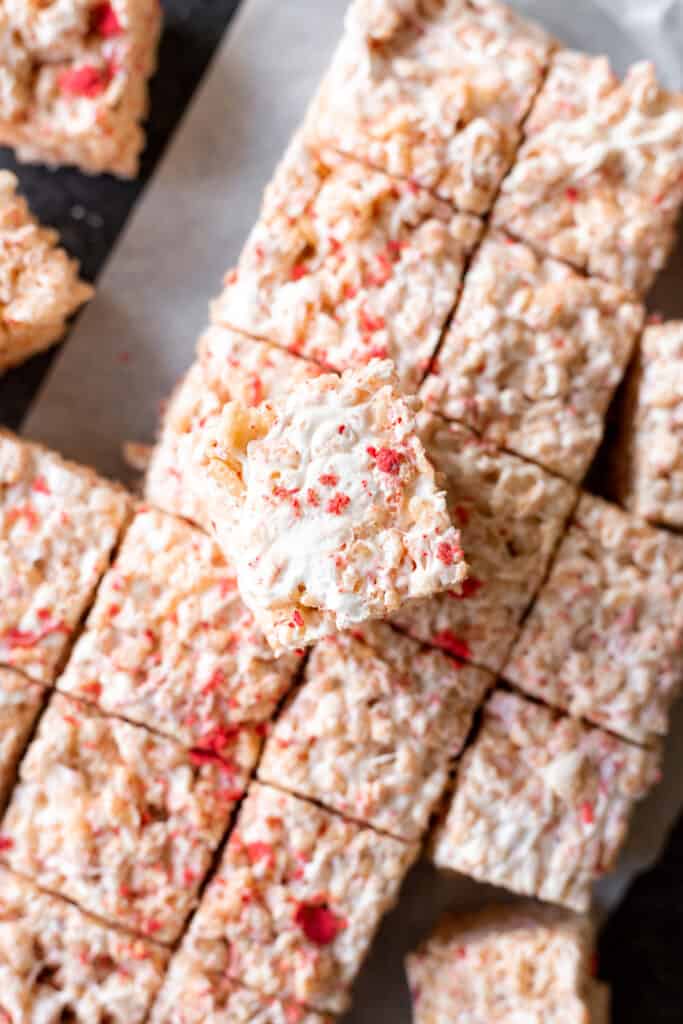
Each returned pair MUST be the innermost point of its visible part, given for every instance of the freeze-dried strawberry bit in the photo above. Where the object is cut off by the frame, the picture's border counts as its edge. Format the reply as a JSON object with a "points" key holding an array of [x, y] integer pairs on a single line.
{"points": [[389, 461], [448, 641], [105, 21], [6, 843], [87, 81], [319, 923], [448, 553], [338, 503]]}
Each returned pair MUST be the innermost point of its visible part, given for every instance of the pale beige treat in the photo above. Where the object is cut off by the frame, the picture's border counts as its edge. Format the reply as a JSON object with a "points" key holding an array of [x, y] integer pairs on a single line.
{"points": [[604, 640], [297, 899], [432, 92], [525, 962], [59, 964], [534, 355], [170, 644], [372, 733], [20, 704], [511, 514], [73, 80], [119, 820], [58, 525], [346, 264], [541, 803], [599, 180], [327, 505]]}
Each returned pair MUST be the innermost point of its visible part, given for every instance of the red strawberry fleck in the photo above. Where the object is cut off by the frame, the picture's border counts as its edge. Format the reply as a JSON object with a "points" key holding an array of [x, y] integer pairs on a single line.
{"points": [[329, 479], [6, 843], [447, 552], [338, 503], [88, 81], [318, 923], [448, 641], [260, 851], [572, 194], [369, 324], [105, 21], [40, 485], [205, 757], [312, 497], [218, 738], [298, 271], [470, 587], [389, 461], [587, 813], [298, 618]]}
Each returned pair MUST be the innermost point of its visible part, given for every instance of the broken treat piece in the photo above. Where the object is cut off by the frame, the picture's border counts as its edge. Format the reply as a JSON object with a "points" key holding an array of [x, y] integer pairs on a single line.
{"points": [[297, 899], [59, 523], [59, 964], [541, 802], [328, 507], [347, 264], [73, 80], [119, 820], [169, 643], [511, 514], [604, 639], [20, 704], [433, 93], [372, 733], [523, 962], [599, 180], [534, 355]]}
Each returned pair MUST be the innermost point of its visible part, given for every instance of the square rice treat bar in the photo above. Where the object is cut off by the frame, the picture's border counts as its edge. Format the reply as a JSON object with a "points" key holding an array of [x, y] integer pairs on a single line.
{"points": [[541, 803], [119, 820], [58, 525], [73, 80], [524, 962], [599, 180], [328, 506], [604, 640], [534, 355], [372, 733], [169, 643], [39, 285], [297, 900], [20, 704], [59, 964], [511, 514], [346, 264], [432, 92]]}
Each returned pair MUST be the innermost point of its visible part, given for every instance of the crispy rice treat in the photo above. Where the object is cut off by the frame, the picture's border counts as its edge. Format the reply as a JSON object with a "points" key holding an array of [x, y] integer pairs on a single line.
{"points": [[119, 820], [605, 638], [20, 703], [511, 514], [346, 264], [73, 80], [58, 525], [524, 962], [541, 803], [169, 643], [328, 506], [534, 355], [58, 964], [433, 92], [372, 733], [599, 180], [297, 900]]}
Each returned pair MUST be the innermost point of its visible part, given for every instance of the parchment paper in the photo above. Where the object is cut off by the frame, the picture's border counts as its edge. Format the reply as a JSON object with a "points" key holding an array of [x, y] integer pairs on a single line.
{"points": [[138, 335]]}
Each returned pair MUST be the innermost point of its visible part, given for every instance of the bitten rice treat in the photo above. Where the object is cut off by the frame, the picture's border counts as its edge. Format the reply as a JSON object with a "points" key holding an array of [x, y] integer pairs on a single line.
{"points": [[169, 643], [534, 355], [328, 507], [432, 92], [58, 525], [372, 733], [524, 962], [541, 803], [119, 820], [58, 964], [604, 639], [297, 900], [347, 264], [73, 80], [20, 703], [599, 180], [511, 514]]}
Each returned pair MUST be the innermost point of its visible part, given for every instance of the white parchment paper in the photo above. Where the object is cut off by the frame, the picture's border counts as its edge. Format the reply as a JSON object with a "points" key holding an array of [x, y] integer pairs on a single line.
{"points": [[138, 335]]}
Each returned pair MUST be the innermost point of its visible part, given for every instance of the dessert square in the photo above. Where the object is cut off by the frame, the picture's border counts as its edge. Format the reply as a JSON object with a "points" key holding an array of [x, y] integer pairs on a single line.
{"points": [[604, 640], [169, 643], [59, 964], [511, 514], [297, 899], [373, 730], [119, 820], [534, 355], [541, 802], [59, 523], [328, 506], [73, 81], [434, 93], [20, 704], [347, 264], [599, 180]]}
